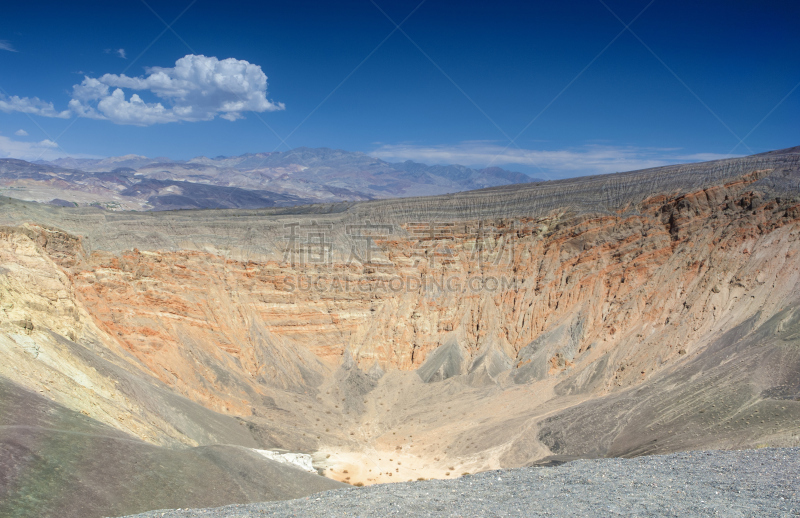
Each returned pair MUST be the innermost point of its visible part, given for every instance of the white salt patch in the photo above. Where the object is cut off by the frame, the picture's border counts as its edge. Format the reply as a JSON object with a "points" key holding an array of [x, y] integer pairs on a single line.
{"points": [[298, 460]]}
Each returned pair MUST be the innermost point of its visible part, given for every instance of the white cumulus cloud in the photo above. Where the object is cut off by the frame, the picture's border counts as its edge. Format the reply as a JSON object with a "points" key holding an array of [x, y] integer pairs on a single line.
{"points": [[21, 133], [197, 88], [32, 105]]}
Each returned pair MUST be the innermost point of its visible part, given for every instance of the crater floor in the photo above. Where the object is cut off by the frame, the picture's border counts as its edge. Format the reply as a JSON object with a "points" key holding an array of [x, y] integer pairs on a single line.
{"points": [[743, 483]]}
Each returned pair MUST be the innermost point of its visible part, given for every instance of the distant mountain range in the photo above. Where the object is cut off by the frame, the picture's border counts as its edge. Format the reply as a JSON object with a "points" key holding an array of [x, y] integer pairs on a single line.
{"points": [[299, 176]]}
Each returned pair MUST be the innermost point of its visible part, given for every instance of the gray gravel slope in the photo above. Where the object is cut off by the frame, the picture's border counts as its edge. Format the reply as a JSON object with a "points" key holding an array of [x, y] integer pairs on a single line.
{"points": [[759, 483]]}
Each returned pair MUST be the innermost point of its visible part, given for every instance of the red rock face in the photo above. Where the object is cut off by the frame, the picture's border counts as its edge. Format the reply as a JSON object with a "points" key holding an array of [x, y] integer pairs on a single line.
{"points": [[641, 286], [460, 345]]}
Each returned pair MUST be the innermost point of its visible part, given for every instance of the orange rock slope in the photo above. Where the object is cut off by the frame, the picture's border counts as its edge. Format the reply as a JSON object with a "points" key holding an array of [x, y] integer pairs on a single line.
{"points": [[518, 317]]}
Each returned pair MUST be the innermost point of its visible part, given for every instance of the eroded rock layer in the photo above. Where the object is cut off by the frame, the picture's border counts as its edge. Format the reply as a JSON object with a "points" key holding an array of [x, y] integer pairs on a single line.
{"points": [[644, 312]]}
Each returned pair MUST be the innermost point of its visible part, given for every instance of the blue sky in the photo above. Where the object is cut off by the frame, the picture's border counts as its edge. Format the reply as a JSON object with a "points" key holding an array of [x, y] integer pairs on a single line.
{"points": [[548, 88]]}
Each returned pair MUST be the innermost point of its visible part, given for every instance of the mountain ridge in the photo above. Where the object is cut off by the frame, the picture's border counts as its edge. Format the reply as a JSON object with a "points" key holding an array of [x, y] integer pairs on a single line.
{"points": [[296, 177], [253, 180]]}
